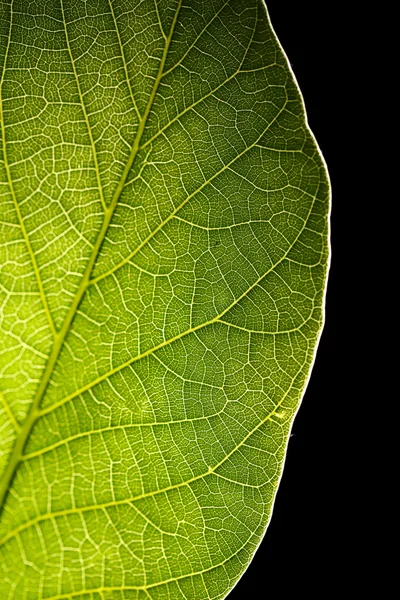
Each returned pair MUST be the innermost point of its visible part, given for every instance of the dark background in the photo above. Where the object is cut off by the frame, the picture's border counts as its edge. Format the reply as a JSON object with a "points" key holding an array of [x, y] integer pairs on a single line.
{"points": [[301, 553]]}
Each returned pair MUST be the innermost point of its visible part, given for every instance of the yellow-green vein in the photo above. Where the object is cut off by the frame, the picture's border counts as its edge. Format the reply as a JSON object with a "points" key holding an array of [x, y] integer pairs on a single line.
{"points": [[12, 190], [34, 412], [85, 114]]}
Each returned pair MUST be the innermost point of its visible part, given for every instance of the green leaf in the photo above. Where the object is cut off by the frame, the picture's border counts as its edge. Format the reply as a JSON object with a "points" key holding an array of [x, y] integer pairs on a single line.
{"points": [[164, 250]]}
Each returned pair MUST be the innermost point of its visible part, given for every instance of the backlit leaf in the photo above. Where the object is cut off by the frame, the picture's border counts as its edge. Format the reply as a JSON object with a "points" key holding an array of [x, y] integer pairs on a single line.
{"points": [[163, 258]]}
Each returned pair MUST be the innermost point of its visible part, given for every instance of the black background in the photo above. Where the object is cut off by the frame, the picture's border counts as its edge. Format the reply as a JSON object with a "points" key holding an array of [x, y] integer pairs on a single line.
{"points": [[300, 555]]}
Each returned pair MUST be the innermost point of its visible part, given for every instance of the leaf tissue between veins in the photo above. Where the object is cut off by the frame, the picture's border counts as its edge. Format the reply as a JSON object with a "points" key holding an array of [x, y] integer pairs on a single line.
{"points": [[163, 262]]}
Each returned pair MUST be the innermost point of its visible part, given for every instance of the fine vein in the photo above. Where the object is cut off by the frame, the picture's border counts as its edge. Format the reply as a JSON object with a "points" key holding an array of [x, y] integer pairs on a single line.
{"points": [[13, 194], [212, 470], [85, 114], [59, 337]]}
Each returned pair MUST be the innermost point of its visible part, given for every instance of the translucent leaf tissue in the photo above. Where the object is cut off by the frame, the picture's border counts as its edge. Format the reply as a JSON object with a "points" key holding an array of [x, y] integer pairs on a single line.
{"points": [[163, 262]]}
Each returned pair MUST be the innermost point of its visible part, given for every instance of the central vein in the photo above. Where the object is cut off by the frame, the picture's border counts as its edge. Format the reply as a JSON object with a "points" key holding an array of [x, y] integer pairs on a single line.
{"points": [[35, 412]]}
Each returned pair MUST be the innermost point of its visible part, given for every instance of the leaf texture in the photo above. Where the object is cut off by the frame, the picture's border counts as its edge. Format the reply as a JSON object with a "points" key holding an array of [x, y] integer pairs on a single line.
{"points": [[163, 262]]}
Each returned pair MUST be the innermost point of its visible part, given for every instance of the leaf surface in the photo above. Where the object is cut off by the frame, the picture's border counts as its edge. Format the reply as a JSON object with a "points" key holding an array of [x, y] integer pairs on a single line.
{"points": [[163, 261]]}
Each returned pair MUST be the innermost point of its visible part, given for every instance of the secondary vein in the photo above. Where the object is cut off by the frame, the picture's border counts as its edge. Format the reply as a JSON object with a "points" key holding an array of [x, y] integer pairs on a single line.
{"points": [[212, 470], [176, 210], [12, 190], [86, 116], [123, 58], [59, 338], [181, 335]]}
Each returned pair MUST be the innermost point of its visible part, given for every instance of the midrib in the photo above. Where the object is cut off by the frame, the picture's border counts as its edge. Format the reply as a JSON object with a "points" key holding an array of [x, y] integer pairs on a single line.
{"points": [[59, 338]]}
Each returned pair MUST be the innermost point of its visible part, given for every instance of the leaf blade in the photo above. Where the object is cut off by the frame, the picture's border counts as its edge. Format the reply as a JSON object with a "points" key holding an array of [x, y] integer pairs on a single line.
{"points": [[190, 344]]}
